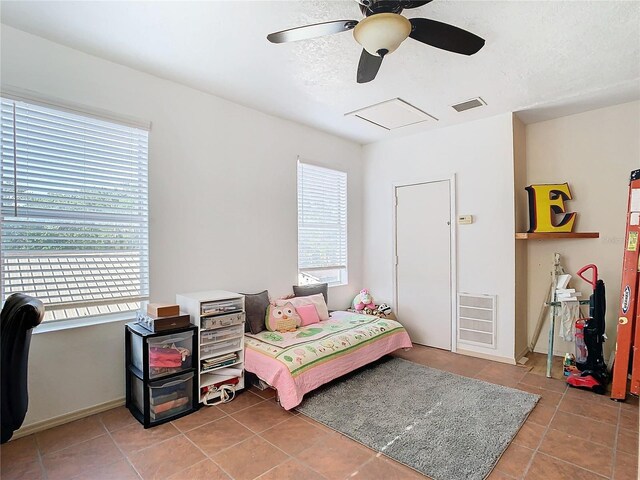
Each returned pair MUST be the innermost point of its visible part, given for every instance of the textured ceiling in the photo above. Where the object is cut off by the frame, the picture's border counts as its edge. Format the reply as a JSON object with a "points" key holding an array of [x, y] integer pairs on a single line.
{"points": [[544, 57]]}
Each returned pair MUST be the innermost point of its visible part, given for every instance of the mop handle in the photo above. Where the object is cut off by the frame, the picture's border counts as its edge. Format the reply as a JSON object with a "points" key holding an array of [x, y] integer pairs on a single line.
{"points": [[594, 279]]}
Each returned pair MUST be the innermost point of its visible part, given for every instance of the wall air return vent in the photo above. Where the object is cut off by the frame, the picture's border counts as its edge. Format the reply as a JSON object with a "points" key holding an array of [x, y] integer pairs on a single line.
{"points": [[391, 114], [469, 104], [477, 319]]}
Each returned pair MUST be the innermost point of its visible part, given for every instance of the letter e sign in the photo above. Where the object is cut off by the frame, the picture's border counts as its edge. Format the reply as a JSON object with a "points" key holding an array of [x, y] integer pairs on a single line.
{"points": [[544, 202]]}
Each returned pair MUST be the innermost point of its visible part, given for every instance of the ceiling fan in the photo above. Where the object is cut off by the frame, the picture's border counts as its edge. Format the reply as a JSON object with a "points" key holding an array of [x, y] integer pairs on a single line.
{"points": [[383, 30]]}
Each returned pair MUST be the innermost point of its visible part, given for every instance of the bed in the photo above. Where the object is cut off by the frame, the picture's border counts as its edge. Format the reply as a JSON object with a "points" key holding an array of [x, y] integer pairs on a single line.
{"points": [[294, 363]]}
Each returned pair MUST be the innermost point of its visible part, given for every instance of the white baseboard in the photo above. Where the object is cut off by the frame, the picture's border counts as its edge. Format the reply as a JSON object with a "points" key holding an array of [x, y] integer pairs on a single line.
{"points": [[522, 353], [556, 353], [66, 418], [495, 358]]}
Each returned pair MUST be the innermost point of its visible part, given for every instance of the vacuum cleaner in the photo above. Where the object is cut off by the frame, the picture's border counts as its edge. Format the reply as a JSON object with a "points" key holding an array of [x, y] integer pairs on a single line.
{"points": [[592, 374]]}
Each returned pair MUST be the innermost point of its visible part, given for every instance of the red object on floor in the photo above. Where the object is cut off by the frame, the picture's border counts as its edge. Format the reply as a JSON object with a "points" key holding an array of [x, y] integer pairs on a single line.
{"points": [[578, 381]]}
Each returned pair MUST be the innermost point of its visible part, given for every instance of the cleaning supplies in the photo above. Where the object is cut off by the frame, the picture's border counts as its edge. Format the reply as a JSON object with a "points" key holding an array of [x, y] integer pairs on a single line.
{"points": [[569, 364]]}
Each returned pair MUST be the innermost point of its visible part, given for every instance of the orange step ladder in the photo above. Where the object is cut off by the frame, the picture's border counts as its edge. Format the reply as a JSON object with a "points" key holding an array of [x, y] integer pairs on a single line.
{"points": [[628, 339]]}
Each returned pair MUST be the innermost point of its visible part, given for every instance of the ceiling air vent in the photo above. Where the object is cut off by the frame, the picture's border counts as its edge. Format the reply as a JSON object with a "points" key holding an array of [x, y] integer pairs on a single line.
{"points": [[394, 113], [469, 104]]}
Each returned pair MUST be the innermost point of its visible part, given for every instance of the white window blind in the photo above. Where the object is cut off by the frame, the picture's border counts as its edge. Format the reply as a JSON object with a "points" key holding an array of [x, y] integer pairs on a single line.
{"points": [[322, 225], [74, 210]]}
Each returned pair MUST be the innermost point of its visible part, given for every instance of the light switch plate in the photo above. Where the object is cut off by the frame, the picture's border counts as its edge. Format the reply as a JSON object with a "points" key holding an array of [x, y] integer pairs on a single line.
{"points": [[465, 219]]}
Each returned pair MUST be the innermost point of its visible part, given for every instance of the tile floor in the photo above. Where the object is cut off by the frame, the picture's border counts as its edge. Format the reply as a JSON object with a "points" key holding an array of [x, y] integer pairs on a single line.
{"points": [[569, 435]]}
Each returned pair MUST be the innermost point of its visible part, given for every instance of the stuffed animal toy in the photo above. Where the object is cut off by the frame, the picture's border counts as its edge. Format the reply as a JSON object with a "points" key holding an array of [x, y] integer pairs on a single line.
{"points": [[383, 309], [363, 300], [282, 319]]}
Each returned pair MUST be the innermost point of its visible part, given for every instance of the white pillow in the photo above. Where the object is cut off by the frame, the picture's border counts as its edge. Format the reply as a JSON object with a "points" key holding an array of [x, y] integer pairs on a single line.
{"points": [[316, 300]]}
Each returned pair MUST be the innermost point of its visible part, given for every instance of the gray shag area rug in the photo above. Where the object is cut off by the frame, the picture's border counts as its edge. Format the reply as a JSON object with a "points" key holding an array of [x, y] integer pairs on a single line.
{"points": [[445, 426]]}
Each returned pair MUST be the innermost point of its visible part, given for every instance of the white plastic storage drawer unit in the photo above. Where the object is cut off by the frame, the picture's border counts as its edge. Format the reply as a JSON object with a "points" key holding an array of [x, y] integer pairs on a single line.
{"points": [[220, 317]]}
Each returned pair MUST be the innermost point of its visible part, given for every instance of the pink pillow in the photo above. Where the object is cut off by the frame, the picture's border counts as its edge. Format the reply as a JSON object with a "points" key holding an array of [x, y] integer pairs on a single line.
{"points": [[316, 300], [308, 314]]}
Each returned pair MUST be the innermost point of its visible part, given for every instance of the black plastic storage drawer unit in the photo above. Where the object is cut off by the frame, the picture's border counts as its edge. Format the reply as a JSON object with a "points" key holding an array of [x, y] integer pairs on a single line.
{"points": [[160, 369]]}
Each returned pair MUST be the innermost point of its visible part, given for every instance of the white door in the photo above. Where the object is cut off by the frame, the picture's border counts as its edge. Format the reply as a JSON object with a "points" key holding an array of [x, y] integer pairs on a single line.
{"points": [[423, 270]]}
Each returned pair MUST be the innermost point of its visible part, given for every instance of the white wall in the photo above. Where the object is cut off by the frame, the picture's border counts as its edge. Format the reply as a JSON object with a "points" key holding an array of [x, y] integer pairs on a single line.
{"points": [[480, 154], [222, 197], [522, 247], [594, 152]]}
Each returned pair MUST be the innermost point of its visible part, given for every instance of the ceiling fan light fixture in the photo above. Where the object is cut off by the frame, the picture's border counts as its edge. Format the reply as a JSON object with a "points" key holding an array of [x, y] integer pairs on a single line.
{"points": [[382, 33]]}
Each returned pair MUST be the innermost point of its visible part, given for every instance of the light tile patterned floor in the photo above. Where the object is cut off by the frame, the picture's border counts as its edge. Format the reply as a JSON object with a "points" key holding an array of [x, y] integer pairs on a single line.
{"points": [[570, 434]]}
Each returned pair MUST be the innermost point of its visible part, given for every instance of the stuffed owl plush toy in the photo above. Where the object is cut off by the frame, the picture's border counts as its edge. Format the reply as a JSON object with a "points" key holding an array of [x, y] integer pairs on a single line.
{"points": [[282, 319]]}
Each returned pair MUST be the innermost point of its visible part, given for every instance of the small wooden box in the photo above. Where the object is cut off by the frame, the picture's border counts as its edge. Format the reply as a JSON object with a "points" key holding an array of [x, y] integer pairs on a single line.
{"points": [[159, 310], [162, 324]]}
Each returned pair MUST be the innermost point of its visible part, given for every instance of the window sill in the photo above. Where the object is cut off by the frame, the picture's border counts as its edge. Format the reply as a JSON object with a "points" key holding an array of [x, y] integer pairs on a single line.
{"points": [[330, 285], [55, 326]]}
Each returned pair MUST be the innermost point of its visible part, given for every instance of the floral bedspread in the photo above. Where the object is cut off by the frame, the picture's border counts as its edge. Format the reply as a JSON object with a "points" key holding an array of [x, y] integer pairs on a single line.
{"points": [[321, 342]]}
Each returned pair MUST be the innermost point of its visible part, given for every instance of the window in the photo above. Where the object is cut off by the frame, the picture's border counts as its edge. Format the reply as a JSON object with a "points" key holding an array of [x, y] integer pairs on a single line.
{"points": [[322, 225], [73, 211]]}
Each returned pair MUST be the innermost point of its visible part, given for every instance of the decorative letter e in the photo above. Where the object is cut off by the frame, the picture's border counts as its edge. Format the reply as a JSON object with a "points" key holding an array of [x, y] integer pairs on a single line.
{"points": [[545, 200]]}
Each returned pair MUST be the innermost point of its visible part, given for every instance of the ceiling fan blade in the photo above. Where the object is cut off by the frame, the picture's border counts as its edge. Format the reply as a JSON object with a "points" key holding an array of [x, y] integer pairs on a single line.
{"points": [[445, 36], [312, 31], [414, 4], [368, 66]]}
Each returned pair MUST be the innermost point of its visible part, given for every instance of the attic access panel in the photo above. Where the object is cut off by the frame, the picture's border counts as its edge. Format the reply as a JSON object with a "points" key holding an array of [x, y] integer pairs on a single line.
{"points": [[392, 114]]}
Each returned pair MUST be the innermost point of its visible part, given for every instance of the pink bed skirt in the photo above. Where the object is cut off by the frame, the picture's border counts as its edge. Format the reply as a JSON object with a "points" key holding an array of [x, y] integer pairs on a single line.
{"points": [[292, 389]]}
